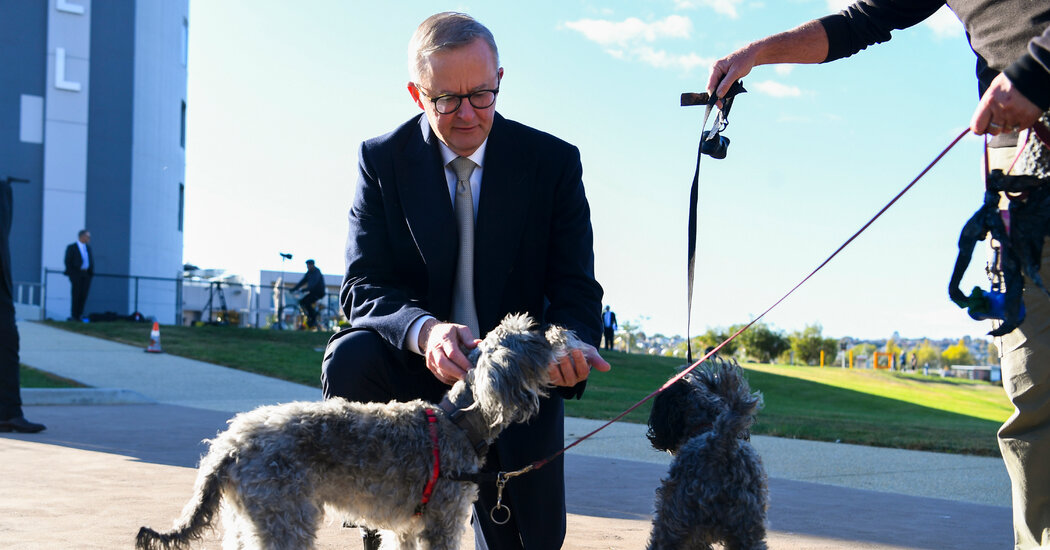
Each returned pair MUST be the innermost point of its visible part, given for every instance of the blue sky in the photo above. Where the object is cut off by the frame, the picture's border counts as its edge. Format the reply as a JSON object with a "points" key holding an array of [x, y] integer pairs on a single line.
{"points": [[281, 94]]}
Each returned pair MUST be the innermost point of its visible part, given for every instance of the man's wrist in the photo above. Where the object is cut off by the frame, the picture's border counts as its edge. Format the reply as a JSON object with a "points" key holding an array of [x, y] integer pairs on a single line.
{"points": [[419, 334]]}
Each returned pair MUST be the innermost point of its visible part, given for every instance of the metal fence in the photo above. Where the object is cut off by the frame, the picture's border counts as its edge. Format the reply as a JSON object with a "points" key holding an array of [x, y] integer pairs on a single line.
{"points": [[178, 300], [242, 304], [116, 294]]}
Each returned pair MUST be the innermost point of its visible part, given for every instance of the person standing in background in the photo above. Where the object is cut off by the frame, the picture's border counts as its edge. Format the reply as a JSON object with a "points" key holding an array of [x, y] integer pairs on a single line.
{"points": [[80, 267], [609, 327]]}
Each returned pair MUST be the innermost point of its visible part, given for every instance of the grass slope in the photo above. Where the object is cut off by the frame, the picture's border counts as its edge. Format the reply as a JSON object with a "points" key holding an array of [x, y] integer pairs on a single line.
{"points": [[830, 404]]}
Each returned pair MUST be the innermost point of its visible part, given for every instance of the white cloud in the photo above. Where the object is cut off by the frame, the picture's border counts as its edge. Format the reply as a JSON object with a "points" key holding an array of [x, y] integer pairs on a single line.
{"points": [[633, 39], [606, 32], [775, 89], [945, 24], [838, 5], [783, 69], [663, 60], [724, 7]]}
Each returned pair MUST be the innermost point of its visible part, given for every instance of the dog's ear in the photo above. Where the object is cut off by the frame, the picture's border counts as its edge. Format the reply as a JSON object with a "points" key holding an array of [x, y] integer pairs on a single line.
{"points": [[511, 373], [667, 418]]}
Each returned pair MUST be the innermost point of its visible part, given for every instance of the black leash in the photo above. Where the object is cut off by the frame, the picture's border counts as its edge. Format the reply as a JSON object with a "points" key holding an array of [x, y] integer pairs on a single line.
{"points": [[714, 144]]}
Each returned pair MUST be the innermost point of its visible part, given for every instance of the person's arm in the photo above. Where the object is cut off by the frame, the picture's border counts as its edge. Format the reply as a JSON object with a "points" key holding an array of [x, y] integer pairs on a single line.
{"points": [[376, 292], [301, 281], [1019, 95], [807, 43], [575, 296], [862, 24]]}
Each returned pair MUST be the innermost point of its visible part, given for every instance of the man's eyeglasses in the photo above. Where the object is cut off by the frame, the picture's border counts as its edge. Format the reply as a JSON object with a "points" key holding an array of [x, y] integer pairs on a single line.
{"points": [[449, 103]]}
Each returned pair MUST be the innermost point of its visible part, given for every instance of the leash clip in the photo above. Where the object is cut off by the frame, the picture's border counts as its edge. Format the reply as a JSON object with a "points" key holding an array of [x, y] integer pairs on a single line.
{"points": [[501, 482]]}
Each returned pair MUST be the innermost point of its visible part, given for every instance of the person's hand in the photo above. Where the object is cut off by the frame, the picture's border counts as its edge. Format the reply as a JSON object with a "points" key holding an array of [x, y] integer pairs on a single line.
{"points": [[729, 69], [576, 366], [444, 350], [1003, 109]]}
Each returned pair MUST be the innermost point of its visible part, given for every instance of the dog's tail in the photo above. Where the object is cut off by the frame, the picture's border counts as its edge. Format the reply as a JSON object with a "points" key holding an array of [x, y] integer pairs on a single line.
{"points": [[198, 513], [742, 404]]}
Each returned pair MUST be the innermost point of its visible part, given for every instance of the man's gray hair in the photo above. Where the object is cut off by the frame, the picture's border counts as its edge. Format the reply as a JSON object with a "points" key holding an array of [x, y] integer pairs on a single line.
{"points": [[445, 31]]}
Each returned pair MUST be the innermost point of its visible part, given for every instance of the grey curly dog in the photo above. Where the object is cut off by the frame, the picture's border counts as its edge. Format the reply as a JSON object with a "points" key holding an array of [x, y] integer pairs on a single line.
{"points": [[715, 489], [276, 468]]}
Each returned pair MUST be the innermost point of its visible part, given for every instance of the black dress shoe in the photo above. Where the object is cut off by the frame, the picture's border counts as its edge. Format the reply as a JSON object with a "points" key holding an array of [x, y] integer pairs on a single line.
{"points": [[20, 424]]}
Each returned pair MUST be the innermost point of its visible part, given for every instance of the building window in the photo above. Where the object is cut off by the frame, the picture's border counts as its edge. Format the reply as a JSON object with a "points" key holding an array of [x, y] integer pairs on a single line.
{"points": [[182, 202], [182, 127]]}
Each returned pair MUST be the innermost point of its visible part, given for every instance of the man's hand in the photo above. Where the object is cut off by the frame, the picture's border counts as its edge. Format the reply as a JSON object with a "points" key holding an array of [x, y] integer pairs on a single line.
{"points": [[806, 43], [1003, 109], [443, 349], [576, 366], [729, 69]]}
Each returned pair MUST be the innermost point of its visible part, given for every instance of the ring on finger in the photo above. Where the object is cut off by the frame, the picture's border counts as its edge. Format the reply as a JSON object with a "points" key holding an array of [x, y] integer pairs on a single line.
{"points": [[994, 126]]}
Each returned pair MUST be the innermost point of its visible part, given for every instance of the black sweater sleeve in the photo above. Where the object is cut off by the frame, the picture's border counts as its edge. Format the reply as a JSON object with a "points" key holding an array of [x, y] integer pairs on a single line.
{"points": [[870, 22], [1031, 73]]}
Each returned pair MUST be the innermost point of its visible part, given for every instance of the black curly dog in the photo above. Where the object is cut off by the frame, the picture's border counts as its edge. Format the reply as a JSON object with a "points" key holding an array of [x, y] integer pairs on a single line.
{"points": [[715, 490]]}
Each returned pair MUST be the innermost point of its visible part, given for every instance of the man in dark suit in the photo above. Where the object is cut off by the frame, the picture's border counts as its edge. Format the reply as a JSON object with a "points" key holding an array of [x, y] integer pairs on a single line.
{"points": [[532, 254], [80, 267], [11, 418]]}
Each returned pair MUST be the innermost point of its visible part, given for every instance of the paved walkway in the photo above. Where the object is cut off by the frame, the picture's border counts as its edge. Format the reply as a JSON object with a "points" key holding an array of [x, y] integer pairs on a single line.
{"points": [[122, 455]]}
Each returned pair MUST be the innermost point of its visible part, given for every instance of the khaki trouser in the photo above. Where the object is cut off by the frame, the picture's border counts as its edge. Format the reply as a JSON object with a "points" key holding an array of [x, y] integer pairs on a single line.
{"points": [[1025, 437]]}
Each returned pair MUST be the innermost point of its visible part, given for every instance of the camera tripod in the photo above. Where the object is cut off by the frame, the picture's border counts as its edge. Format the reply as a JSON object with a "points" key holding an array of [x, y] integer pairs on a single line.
{"points": [[214, 288]]}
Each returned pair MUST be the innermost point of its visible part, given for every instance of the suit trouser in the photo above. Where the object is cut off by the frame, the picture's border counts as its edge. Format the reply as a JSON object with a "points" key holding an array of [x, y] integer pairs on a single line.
{"points": [[360, 366], [1024, 439], [81, 283]]}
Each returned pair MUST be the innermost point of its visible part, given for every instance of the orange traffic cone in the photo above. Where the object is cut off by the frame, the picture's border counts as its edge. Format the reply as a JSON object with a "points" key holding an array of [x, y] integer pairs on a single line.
{"points": [[154, 339]]}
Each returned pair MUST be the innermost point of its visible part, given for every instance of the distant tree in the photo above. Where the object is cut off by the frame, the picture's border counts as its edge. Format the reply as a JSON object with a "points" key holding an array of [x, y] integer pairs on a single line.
{"points": [[714, 337], [762, 343], [864, 349], [892, 348], [629, 334], [959, 354], [808, 343], [993, 351], [926, 354]]}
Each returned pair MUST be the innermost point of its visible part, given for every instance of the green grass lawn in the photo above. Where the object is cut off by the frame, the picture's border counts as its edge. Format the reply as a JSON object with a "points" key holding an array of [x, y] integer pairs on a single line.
{"points": [[830, 404], [32, 378]]}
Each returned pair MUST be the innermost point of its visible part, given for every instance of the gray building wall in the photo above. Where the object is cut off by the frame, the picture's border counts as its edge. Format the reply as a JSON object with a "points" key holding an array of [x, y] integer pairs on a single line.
{"points": [[23, 29], [92, 96]]}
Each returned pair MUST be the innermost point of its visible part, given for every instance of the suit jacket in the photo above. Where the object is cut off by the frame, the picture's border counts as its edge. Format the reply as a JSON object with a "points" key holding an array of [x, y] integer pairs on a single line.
{"points": [[74, 260], [533, 254], [533, 241]]}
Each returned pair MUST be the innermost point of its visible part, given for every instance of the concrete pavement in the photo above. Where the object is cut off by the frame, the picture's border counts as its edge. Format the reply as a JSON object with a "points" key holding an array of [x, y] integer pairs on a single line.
{"points": [[122, 455]]}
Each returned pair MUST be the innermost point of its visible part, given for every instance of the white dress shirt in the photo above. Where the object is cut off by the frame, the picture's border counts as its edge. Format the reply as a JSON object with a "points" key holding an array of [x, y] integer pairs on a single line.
{"points": [[447, 156]]}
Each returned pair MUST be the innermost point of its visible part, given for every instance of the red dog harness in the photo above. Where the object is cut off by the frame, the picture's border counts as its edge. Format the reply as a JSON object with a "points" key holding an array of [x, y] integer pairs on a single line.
{"points": [[429, 489]]}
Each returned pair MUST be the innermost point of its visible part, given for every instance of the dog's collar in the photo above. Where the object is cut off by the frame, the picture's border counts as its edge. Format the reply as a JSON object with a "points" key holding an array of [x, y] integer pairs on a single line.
{"points": [[468, 419]]}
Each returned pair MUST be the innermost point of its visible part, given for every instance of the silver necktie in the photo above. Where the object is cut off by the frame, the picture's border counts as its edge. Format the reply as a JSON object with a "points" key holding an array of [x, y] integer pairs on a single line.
{"points": [[464, 311]]}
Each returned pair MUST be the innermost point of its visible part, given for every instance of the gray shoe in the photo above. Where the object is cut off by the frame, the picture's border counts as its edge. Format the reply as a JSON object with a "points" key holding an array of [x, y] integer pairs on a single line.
{"points": [[21, 425]]}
